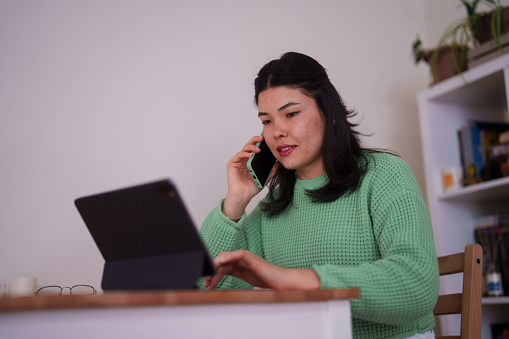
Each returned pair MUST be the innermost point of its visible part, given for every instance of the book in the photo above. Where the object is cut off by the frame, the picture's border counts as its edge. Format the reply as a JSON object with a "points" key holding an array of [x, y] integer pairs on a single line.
{"points": [[476, 139], [504, 137], [500, 150], [466, 147], [489, 138]]}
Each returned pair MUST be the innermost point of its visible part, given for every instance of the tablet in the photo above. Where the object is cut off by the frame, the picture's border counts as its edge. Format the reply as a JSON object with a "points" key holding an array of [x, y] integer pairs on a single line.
{"points": [[146, 237]]}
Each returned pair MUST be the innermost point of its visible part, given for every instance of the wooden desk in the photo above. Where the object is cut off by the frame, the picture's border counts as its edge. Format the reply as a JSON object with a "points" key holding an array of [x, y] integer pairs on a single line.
{"points": [[182, 314]]}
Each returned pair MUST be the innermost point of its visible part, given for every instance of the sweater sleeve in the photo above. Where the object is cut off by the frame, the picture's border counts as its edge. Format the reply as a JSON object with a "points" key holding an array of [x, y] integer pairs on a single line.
{"points": [[402, 286], [220, 234]]}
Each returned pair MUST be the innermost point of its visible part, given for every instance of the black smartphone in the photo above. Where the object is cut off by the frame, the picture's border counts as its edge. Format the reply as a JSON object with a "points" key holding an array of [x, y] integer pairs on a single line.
{"points": [[260, 164]]}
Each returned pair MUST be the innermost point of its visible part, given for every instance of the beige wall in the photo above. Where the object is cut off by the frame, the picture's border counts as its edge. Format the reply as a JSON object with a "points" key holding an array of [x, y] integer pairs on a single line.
{"points": [[96, 95]]}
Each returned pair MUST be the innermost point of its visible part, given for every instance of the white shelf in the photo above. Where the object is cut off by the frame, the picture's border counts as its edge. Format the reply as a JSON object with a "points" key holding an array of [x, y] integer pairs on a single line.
{"points": [[495, 301], [489, 190], [477, 85]]}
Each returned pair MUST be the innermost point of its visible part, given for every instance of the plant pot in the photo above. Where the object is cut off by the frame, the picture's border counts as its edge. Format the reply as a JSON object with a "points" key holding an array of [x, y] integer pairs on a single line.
{"points": [[448, 62], [484, 25]]}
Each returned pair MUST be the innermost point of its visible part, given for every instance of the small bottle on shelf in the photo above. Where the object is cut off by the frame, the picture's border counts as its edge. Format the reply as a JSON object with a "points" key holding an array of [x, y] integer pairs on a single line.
{"points": [[494, 281]]}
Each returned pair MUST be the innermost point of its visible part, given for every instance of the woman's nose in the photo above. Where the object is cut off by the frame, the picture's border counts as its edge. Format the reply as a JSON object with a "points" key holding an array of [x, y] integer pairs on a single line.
{"points": [[279, 131]]}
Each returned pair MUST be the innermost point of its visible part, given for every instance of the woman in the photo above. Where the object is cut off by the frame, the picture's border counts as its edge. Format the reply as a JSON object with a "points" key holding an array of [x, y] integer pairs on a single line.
{"points": [[336, 215]]}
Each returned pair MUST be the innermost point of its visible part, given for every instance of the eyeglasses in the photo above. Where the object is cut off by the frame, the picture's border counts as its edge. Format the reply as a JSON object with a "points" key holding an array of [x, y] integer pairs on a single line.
{"points": [[74, 290]]}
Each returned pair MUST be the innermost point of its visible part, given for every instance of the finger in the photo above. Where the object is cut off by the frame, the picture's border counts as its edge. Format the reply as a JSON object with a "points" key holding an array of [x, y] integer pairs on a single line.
{"points": [[240, 158], [250, 148], [213, 283], [254, 140], [221, 259], [246, 152], [225, 258], [221, 272], [251, 144]]}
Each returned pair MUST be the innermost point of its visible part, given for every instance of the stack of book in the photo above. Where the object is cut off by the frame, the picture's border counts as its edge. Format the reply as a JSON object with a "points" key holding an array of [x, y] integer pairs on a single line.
{"points": [[500, 153], [484, 148], [492, 233]]}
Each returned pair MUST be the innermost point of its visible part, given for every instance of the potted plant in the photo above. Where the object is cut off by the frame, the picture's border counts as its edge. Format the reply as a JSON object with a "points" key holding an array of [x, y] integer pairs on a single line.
{"points": [[493, 24], [490, 33], [444, 60], [449, 57]]}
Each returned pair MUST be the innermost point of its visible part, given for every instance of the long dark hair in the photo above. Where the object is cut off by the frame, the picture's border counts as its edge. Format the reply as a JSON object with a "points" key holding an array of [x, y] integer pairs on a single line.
{"points": [[344, 160]]}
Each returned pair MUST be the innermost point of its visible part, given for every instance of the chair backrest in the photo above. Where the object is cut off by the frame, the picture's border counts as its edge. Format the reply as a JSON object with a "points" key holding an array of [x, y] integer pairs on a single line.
{"points": [[468, 303]]}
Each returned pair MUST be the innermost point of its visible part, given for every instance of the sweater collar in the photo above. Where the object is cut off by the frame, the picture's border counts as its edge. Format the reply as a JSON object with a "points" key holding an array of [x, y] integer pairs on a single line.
{"points": [[311, 184]]}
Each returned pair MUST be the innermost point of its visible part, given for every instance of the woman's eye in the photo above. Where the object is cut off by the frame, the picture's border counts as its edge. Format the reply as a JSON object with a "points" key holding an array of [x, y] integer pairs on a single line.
{"points": [[265, 122], [292, 114]]}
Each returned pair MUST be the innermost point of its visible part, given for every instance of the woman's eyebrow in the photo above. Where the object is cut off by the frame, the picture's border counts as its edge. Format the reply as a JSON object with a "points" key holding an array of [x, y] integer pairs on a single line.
{"points": [[287, 105], [282, 108]]}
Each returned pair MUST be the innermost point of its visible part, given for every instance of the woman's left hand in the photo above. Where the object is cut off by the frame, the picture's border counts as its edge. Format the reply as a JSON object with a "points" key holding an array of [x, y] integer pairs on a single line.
{"points": [[261, 273]]}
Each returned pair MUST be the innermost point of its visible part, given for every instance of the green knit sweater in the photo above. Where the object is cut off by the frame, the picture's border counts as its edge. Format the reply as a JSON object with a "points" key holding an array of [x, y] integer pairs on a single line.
{"points": [[379, 238]]}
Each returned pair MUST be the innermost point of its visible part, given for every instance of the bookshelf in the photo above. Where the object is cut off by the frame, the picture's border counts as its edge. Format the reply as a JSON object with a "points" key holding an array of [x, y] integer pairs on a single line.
{"points": [[481, 93]]}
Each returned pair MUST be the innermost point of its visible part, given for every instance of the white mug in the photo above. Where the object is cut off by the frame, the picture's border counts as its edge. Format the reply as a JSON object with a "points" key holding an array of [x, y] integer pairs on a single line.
{"points": [[451, 178], [23, 287]]}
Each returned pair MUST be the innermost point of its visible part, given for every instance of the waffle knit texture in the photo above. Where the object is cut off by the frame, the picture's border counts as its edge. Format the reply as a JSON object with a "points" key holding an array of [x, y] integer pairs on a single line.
{"points": [[378, 238]]}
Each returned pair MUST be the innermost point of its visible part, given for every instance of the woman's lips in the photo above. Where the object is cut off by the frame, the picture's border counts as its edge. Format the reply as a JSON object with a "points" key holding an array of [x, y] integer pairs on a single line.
{"points": [[285, 149]]}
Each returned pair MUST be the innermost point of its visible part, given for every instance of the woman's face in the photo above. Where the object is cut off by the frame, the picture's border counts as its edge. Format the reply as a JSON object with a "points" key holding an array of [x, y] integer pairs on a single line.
{"points": [[293, 128]]}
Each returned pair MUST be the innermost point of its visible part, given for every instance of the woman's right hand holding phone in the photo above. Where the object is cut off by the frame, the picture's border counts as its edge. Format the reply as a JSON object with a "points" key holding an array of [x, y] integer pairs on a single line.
{"points": [[241, 186]]}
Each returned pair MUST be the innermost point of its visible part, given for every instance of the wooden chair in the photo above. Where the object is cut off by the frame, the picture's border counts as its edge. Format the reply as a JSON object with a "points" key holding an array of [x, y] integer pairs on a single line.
{"points": [[468, 303]]}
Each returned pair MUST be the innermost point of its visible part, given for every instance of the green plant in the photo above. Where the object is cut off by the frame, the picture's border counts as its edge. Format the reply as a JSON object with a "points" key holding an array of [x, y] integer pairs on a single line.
{"points": [[471, 20], [458, 55], [462, 34], [418, 51], [496, 20], [465, 32]]}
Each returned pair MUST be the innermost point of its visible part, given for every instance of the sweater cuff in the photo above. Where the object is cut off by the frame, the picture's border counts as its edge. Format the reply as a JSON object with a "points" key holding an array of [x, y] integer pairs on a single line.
{"points": [[225, 219], [321, 276], [326, 281]]}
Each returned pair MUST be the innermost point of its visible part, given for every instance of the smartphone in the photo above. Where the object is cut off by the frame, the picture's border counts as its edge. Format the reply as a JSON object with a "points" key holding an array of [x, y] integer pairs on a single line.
{"points": [[260, 164]]}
